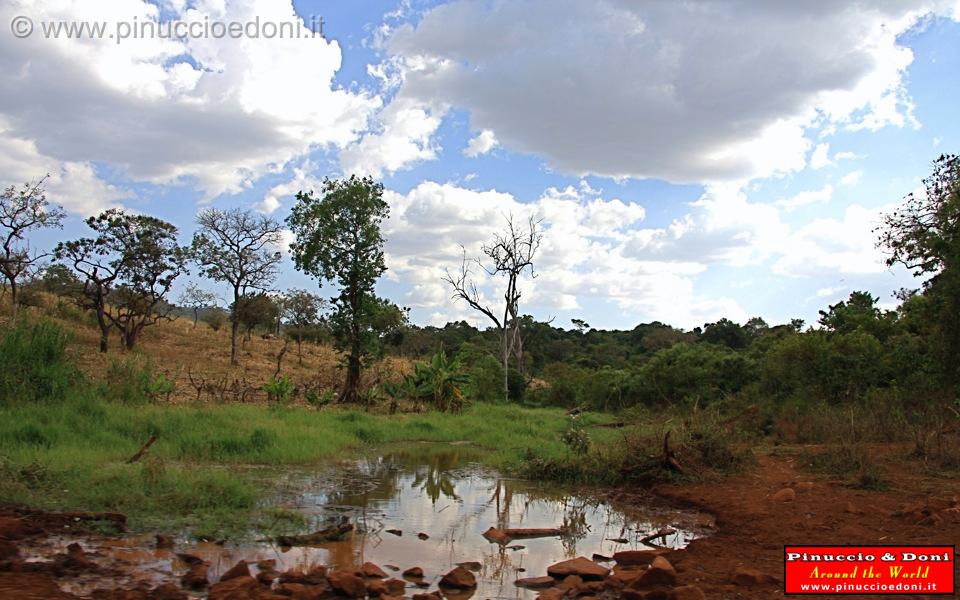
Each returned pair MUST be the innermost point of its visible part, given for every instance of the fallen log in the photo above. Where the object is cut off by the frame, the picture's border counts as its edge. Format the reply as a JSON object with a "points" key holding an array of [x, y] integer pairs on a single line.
{"points": [[504, 536], [330, 534], [662, 533]]}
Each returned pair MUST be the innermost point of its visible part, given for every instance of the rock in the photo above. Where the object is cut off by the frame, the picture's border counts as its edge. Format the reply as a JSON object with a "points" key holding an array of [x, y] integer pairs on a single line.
{"points": [[347, 584], [637, 557], [687, 592], [392, 567], [8, 550], [570, 583], [241, 569], [268, 564], [601, 558], [368, 569], [626, 575], [196, 577], [496, 536], [931, 520], [167, 591], [395, 532], [785, 495], [661, 572], [413, 573], [316, 576], [423, 536], [190, 559], [630, 594], [459, 578], [580, 566], [396, 587], [471, 566], [551, 594], [163, 542], [430, 596], [535, 582], [804, 486], [377, 588], [299, 591], [852, 509], [15, 528], [267, 576], [751, 577], [239, 588]]}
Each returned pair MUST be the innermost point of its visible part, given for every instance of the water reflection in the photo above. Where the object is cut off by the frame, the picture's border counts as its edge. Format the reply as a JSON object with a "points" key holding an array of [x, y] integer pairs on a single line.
{"points": [[443, 492], [437, 490]]}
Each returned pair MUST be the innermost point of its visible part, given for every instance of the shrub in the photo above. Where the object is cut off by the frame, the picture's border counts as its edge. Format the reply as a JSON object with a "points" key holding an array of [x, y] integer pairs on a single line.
{"points": [[33, 363], [279, 389], [131, 380], [216, 319]]}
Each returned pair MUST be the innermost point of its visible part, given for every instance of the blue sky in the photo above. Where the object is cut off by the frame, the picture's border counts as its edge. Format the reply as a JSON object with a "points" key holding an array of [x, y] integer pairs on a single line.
{"points": [[717, 159]]}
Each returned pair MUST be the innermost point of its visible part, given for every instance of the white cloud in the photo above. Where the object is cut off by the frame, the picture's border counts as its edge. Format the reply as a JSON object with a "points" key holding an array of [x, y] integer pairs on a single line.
{"points": [[824, 194], [821, 157], [403, 138], [218, 113], [847, 156], [483, 143], [852, 178], [302, 181], [690, 92], [586, 254]]}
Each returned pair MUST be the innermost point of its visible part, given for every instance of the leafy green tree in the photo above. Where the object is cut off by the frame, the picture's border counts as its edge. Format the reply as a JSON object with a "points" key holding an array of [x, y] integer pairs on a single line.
{"points": [[23, 211], [128, 269], [338, 240], [240, 248], [726, 333], [924, 235], [255, 311]]}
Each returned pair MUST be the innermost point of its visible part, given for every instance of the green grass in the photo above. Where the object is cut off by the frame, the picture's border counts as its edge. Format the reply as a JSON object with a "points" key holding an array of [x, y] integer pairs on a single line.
{"points": [[72, 454]]}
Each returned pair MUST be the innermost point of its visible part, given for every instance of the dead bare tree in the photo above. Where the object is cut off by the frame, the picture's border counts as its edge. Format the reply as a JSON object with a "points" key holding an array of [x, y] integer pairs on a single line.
{"points": [[509, 255], [22, 211]]}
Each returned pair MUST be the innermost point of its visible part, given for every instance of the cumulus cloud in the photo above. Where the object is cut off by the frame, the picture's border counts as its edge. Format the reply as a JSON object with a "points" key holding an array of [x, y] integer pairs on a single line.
{"points": [[824, 194], [402, 138], [483, 143], [695, 92], [587, 254], [852, 178], [217, 113], [821, 157]]}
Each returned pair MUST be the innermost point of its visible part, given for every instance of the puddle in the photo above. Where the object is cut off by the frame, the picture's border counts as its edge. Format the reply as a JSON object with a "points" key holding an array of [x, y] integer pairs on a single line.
{"points": [[437, 490]]}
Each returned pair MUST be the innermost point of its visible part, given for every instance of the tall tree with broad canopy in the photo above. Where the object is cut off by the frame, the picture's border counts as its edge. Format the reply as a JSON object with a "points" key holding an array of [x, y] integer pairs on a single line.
{"points": [[127, 269], [923, 234], [338, 240], [22, 211], [239, 248]]}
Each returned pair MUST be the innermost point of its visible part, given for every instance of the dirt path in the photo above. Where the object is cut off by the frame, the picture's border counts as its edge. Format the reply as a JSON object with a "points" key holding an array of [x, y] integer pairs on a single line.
{"points": [[752, 528]]}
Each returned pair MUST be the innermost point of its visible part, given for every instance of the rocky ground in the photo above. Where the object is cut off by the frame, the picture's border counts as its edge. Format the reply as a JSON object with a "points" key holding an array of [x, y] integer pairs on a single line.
{"points": [[757, 512]]}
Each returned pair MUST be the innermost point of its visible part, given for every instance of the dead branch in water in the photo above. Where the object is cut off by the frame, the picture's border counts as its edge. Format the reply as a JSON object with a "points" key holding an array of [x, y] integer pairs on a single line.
{"points": [[669, 458]]}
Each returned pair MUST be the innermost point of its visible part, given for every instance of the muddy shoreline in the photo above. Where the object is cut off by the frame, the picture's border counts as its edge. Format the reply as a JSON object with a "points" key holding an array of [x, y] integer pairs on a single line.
{"points": [[742, 558]]}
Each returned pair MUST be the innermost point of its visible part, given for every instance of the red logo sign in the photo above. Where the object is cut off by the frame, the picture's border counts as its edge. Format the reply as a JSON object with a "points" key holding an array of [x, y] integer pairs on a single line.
{"points": [[862, 570]]}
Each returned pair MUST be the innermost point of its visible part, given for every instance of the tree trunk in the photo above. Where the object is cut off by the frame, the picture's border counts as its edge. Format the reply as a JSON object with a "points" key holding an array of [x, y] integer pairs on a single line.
{"points": [[300, 350], [196, 317], [104, 326], [234, 328], [350, 395], [14, 299], [130, 338], [505, 354]]}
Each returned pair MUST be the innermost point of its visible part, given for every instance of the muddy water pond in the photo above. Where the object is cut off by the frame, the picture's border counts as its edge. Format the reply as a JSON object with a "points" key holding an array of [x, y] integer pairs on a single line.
{"points": [[427, 506]]}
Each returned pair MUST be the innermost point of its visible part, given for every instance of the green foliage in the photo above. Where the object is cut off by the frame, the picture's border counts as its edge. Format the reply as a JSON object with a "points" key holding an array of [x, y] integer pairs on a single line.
{"points": [[576, 438], [33, 363], [279, 389], [216, 319], [318, 400], [131, 380], [255, 311], [440, 382], [338, 240]]}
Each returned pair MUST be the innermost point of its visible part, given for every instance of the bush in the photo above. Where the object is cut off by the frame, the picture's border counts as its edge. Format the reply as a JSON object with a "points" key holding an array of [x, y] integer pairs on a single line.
{"points": [[216, 319], [33, 363], [279, 389], [131, 380]]}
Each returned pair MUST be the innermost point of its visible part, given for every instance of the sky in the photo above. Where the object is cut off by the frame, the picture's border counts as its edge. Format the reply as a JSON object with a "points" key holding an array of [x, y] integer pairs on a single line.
{"points": [[687, 161]]}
